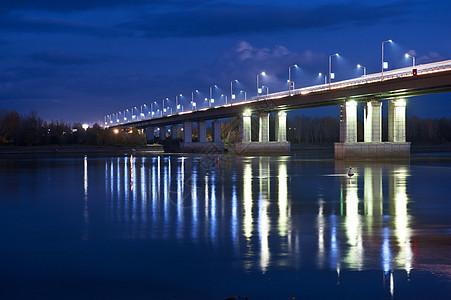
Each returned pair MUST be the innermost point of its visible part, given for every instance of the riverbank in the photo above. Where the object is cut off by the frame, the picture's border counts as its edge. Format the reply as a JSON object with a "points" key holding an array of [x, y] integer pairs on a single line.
{"points": [[78, 150]]}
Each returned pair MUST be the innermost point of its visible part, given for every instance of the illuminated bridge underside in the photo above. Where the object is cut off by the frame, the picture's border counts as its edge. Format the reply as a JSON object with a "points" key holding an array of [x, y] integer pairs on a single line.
{"points": [[404, 87]]}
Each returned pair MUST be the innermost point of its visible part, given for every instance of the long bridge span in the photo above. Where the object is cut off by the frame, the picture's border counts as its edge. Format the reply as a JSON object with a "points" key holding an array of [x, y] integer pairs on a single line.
{"points": [[395, 86]]}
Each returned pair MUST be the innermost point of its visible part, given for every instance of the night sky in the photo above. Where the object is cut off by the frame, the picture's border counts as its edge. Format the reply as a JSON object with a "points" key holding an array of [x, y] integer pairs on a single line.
{"points": [[80, 60]]}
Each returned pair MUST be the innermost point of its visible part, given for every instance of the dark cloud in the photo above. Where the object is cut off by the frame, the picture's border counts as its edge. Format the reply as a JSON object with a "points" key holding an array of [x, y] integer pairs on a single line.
{"points": [[83, 5], [65, 58], [230, 19], [17, 23]]}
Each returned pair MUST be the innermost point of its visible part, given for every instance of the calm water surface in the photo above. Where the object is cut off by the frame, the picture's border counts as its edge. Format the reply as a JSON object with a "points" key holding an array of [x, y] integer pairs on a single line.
{"points": [[189, 227]]}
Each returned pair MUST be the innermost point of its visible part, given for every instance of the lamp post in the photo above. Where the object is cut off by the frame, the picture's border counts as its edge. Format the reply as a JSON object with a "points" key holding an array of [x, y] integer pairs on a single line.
{"points": [[177, 105], [382, 71], [232, 96], [258, 86], [245, 96], [163, 109], [133, 115], [192, 99], [211, 95], [407, 55], [364, 69], [325, 77], [222, 95], [290, 83], [330, 66]]}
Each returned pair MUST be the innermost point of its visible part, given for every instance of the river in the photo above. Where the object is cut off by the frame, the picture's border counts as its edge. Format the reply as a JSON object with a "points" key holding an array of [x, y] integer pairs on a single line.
{"points": [[207, 227]]}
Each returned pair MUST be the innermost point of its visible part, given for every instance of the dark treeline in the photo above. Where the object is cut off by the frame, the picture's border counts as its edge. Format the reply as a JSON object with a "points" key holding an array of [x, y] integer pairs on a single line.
{"points": [[31, 130]]}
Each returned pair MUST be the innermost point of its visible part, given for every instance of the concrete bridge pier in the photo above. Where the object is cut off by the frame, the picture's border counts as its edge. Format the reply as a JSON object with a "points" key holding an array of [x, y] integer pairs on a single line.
{"points": [[202, 131], [202, 146], [373, 147], [372, 121], [264, 146], [174, 132], [163, 133], [150, 133], [217, 131]]}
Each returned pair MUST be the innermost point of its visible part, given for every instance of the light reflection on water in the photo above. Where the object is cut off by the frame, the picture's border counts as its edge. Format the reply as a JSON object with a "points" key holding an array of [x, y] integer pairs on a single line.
{"points": [[182, 197], [254, 215]]}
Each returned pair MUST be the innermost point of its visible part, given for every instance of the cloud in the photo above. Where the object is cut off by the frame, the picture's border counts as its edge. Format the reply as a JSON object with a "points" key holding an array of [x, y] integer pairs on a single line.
{"points": [[19, 23], [226, 19], [244, 61], [64, 58]]}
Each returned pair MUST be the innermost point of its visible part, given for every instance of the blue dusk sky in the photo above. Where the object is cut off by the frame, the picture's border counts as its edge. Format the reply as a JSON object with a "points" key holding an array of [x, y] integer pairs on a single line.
{"points": [[80, 60]]}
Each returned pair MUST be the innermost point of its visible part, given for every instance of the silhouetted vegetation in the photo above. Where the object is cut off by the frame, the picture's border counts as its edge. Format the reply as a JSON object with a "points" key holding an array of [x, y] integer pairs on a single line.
{"points": [[31, 130]]}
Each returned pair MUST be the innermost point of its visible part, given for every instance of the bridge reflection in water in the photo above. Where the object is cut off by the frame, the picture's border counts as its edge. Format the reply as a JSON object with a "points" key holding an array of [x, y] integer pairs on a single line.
{"points": [[267, 211]]}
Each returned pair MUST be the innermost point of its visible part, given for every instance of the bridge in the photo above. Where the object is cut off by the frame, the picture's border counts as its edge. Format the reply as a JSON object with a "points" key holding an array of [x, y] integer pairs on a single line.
{"points": [[394, 86]]}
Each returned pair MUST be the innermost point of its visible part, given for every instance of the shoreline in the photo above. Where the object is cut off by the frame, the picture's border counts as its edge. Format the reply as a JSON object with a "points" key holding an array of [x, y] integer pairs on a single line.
{"points": [[81, 150]]}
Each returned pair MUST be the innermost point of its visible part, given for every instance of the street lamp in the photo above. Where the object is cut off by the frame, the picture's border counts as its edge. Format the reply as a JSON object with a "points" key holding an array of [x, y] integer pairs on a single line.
{"points": [[192, 99], [407, 55], [330, 67], [133, 115], [245, 95], [325, 77], [211, 95], [258, 87], [384, 66], [290, 83], [364, 69], [232, 96], [177, 105], [222, 95]]}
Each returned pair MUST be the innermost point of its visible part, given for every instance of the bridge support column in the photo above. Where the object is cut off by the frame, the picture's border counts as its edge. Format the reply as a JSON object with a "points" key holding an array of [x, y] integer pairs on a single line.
{"points": [[202, 127], [174, 132], [397, 121], [348, 122], [245, 127], [163, 133], [150, 134], [373, 121], [187, 132], [263, 130], [281, 126], [216, 131]]}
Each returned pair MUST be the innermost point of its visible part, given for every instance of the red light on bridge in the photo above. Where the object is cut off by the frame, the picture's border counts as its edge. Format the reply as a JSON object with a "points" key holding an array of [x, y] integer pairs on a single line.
{"points": [[414, 72]]}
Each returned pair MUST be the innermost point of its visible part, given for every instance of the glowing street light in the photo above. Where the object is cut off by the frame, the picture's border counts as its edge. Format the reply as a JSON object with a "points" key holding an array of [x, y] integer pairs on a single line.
{"points": [[245, 94], [193, 104], [211, 95], [232, 95], [290, 83], [177, 105], [258, 86], [325, 77], [364, 69], [407, 55], [222, 95], [384, 64], [330, 67]]}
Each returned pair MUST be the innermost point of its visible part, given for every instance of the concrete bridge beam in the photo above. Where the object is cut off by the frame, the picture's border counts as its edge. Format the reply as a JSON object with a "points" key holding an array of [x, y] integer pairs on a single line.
{"points": [[174, 132], [281, 126], [150, 133], [202, 126], [263, 130], [348, 122], [397, 121], [245, 127], [163, 133], [216, 131], [373, 121], [187, 132]]}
